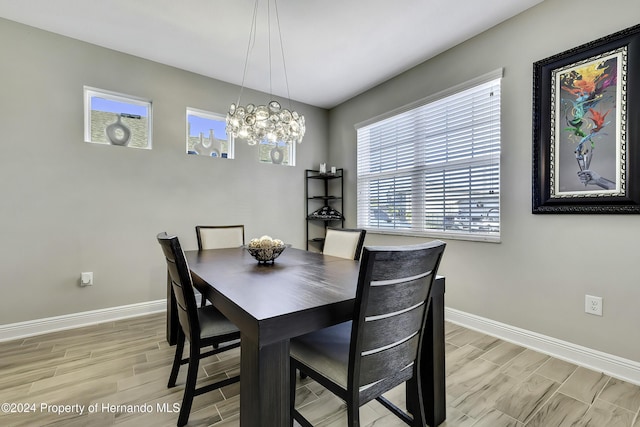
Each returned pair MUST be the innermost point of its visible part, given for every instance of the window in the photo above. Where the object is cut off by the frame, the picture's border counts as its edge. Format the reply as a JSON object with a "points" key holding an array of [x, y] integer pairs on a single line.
{"points": [[278, 153], [206, 135], [116, 119], [433, 168]]}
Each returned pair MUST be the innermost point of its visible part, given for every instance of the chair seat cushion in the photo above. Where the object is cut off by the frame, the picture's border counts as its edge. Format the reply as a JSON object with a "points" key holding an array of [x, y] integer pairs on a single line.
{"points": [[325, 351], [213, 323]]}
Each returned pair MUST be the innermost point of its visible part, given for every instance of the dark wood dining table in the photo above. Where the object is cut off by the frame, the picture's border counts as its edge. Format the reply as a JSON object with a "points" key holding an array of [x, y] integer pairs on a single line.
{"points": [[299, 293]]}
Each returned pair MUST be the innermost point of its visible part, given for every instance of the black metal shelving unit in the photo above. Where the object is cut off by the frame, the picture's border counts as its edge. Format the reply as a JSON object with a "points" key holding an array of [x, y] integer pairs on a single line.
{"points": [[323, 190]]}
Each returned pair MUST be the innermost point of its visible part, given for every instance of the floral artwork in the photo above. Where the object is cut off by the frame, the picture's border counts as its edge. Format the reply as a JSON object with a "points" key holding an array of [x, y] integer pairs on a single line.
{"points": [[586, 134], [588, 141]]}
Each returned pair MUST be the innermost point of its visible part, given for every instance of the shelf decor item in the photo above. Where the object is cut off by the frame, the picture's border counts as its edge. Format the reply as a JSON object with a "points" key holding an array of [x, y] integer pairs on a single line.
{"points": [[277, 155], [326, 212], [117, 132], [265, 249], [586, 135]]}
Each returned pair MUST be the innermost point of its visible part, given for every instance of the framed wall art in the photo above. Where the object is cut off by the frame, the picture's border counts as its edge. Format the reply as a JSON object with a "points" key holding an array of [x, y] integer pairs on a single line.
{"points": [[586, 121]]}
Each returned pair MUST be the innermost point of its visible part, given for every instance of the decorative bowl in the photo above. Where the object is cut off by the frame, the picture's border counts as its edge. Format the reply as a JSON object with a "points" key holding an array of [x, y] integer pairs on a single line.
{"points": [[265, 255], [265, 249]]}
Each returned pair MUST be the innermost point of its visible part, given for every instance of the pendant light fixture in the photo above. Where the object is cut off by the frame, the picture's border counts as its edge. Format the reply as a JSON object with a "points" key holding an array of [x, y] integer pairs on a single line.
{"points": [[270, 123]]}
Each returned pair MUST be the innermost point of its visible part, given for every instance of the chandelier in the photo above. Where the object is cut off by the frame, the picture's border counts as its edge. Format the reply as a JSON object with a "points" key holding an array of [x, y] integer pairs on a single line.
{"points": [[270, 123]]}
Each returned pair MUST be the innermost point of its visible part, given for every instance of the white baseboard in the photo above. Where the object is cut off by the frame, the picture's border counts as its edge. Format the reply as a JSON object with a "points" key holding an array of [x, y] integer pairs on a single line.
{"points": [[618, 367], [75, 320]]}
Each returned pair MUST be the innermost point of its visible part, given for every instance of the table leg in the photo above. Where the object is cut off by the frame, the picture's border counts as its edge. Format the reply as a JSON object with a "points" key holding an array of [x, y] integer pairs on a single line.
{"points": [[433, 363], [264, 384]]}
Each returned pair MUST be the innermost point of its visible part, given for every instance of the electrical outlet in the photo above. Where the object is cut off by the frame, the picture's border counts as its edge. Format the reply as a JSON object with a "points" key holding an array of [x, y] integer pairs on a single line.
{"points": [[593, 305], [86, 278]]}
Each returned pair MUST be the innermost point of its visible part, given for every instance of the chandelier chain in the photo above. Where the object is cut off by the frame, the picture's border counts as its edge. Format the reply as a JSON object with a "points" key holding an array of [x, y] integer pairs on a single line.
{"points": [[284, 62], [250, 44]]}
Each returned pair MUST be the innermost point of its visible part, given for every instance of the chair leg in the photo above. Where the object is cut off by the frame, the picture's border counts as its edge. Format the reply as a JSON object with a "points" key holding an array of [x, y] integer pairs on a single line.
{"points": [[177, 358], [190, 385], [419, 419]]}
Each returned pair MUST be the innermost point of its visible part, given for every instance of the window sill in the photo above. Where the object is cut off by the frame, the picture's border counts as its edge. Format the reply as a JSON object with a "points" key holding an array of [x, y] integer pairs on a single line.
{"points": [[439, 235]]}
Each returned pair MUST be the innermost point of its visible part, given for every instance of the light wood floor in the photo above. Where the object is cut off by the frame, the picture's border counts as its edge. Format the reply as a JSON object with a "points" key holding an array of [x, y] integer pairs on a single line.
{"points": [[121, 369]]}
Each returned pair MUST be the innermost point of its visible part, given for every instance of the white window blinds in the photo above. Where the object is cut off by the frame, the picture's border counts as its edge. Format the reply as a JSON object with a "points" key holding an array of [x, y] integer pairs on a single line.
{"points": [[434, 169]]}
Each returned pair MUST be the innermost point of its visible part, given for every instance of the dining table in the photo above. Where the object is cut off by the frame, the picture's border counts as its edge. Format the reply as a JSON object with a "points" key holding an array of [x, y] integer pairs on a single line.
{"points": [[300, 292]]}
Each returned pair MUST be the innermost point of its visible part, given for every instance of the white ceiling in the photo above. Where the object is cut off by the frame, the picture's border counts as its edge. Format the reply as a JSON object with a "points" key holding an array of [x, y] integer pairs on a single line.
{"points": [[334, 49]]}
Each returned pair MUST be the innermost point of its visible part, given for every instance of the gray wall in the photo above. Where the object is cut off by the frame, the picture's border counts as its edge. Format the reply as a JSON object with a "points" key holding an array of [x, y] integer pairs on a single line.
{"points": [[67, 206], [537, 277]]}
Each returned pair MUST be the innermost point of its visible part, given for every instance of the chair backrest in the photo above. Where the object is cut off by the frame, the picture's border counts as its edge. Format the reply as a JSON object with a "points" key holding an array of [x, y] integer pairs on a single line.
{"points": [[220, 236], [392, 297], [182, 285], [344, 242]]}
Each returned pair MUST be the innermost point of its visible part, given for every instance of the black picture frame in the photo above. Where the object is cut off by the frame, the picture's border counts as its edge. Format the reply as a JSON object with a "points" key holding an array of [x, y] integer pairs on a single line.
{"points": [[587, 99]]}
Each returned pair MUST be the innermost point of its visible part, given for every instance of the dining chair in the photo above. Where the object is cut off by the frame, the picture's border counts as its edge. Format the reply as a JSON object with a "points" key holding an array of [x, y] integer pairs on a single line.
{"points": [[219, 237], [380, 348], [202, 326], [344, 242]]}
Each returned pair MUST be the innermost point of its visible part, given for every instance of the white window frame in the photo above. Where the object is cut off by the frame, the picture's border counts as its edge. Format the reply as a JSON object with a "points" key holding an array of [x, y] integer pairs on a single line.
{"points": [[215, 117], [398, 194], [91, 92], [264, 152]]}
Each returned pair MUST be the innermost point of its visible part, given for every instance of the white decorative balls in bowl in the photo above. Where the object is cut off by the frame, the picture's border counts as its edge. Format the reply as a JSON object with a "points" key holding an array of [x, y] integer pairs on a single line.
{"points": [[265, 249]]}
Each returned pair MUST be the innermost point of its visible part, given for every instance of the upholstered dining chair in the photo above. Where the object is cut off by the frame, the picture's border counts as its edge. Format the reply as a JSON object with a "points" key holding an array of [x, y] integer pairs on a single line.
{"points": [[380, 348], [344, 242], [219, 236], [202, 326]]}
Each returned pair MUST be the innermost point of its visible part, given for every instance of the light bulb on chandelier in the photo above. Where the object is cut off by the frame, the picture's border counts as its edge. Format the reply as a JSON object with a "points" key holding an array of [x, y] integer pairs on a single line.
{"points": [[265, 123]]}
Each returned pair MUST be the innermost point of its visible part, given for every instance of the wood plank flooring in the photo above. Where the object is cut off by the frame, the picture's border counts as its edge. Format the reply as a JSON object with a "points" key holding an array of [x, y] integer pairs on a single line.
{"points": [[116, 374]]}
